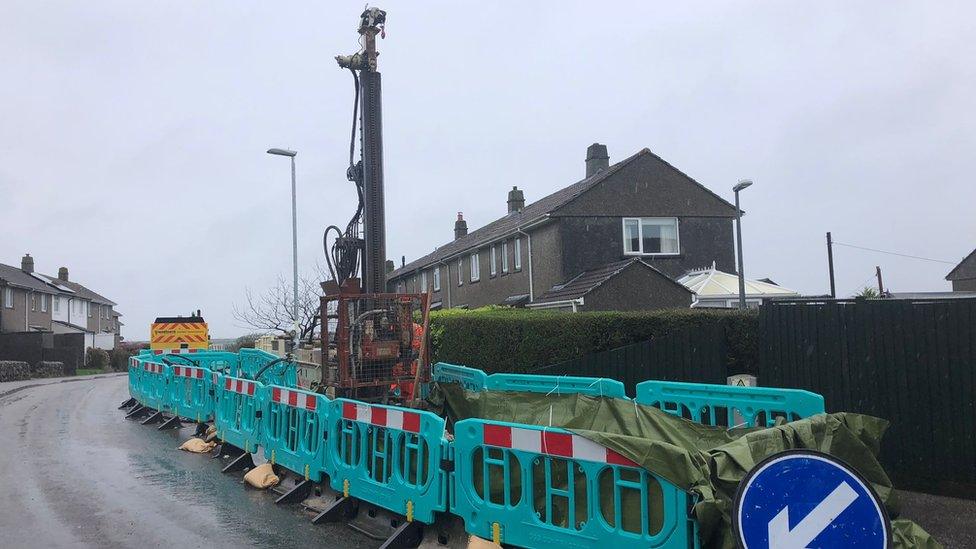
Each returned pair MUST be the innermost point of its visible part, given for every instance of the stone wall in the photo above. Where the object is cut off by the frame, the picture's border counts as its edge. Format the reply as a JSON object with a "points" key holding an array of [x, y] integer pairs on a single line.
{"points": [[48, 369], [14, 370]]}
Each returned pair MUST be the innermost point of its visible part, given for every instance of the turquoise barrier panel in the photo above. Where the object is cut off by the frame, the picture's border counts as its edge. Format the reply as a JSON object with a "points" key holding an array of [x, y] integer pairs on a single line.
{"points": [[134, 379], [238, 412], [191, 392], [294, 427], [533, 486], [559, 385], [729, 406], [469, 378], [389, 456], [215, 361], [283, 373], [154, 384]]}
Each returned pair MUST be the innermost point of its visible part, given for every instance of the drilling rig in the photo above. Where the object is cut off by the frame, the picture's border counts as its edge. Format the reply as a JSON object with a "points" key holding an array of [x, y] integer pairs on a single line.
{"points": [[373, 342]]}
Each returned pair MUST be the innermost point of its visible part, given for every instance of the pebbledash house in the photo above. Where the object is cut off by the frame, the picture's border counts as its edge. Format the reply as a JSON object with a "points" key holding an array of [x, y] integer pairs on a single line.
{"points": [[616, 240]]}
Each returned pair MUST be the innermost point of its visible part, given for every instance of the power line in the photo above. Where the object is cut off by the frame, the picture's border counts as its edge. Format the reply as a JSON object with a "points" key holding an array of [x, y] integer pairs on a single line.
{"points": [[896, 253]]}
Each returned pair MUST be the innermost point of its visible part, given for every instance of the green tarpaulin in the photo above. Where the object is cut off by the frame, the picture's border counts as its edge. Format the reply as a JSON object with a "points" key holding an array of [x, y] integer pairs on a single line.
{"points": [[707, 461]]}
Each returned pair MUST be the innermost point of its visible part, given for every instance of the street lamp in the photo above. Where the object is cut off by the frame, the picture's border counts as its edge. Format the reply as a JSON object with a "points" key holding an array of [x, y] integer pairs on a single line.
{"points": [[743, 183], [294, 240]]}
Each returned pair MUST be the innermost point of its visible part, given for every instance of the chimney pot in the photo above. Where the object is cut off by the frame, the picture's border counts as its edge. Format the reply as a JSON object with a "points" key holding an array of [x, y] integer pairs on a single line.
{"points": [[63, 274], [27, 263], [460, 227], [597, 159], [516, 200]]}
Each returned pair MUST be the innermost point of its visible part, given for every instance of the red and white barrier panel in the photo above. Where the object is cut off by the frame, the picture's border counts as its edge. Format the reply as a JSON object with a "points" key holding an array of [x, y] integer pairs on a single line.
{"points": [[175, 351], [133, 362], [240, 386], [381, 417], [214, 377], [552, 443], [188, 371], [294, 399], [152, 367]]}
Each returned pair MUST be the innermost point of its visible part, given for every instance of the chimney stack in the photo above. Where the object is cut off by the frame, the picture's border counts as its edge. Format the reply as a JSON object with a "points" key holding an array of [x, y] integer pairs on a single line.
{"points": [[516, 200], [63, 274], [460, 227], [597, 159], [27, 264]]}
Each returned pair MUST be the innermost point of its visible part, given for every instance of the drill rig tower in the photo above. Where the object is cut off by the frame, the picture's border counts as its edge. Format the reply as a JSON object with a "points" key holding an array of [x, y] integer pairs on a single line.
{"points": [[373, 345]]}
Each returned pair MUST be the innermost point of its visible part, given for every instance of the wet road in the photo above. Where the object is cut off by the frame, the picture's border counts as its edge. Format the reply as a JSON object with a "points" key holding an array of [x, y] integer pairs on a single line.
{"points": [[74, 473]]}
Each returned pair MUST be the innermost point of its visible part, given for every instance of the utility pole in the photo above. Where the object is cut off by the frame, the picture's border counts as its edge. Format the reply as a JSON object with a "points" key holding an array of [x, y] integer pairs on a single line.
{"points": [[830, 264], [877, 269]]}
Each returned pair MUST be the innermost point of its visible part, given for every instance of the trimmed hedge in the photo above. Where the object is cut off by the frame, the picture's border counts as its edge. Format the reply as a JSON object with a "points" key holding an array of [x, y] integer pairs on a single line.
{"points": [[498, 339]]}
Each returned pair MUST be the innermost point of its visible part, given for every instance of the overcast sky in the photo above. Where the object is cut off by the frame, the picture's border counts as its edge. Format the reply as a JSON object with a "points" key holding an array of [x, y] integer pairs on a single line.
{"points": [[132, 134]]}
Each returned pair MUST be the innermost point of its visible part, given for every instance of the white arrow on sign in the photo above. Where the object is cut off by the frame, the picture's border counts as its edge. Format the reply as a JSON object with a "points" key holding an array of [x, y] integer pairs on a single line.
{"points": [[780, 535]]}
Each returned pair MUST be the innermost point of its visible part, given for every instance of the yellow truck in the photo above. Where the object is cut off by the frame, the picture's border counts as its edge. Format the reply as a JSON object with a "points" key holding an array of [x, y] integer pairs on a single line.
{"points": [[179, 334]]}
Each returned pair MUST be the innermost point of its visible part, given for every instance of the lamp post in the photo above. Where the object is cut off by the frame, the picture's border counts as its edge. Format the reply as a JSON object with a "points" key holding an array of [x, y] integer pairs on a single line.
{"points": [[294, 240], [743, 183]]}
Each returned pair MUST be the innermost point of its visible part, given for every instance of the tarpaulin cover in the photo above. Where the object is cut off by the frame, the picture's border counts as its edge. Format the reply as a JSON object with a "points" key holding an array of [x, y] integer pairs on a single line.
{"points": [[708, 461]]}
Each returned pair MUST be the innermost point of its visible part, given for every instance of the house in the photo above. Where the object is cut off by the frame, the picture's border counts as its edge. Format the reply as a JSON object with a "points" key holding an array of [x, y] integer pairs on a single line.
{"points": [[963, 275], [717, 289], [614, 240], [32, 301]]}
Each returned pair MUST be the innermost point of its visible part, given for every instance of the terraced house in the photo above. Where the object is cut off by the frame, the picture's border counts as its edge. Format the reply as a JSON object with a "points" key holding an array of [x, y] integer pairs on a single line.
{"points": [[34, 302], [615, 240]]}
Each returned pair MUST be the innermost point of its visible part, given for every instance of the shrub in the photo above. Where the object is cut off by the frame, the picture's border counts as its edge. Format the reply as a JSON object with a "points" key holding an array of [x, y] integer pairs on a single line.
{"points": [[96, 359], [246, 341], [119, 356], [519, 340]]}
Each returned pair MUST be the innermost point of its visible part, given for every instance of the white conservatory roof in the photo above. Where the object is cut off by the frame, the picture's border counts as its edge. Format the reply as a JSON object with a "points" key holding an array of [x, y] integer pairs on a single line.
{"points": [[711, 282]]}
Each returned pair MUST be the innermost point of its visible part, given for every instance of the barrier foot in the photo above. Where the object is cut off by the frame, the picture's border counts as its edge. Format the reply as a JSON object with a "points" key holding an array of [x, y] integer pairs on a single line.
{"points": [[158, 416], [340, 510], [408, 534], [127, 403], [241, 462], [139, 410], [171, 423], [298, 493], [217, 451]]}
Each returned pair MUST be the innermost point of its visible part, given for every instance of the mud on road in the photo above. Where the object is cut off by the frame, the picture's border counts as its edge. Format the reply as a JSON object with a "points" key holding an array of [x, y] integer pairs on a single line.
{"points": [[74, 473]]}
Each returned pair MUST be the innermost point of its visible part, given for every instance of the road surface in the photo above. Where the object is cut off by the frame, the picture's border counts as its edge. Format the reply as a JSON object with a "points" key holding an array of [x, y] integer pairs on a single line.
{"points": [[74, 473]]}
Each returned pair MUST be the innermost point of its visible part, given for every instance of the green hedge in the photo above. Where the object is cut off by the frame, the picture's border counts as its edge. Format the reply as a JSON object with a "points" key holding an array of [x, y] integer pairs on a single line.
{"points": [[519, 340]]}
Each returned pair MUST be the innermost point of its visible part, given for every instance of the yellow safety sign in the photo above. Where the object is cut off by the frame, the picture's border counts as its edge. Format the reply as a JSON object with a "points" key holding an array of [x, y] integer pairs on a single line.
{"points": [[167, 334]]}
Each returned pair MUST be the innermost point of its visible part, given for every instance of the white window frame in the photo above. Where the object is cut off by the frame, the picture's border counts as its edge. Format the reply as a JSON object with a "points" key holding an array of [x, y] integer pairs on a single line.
{"points": [[8, 297], [518, 254], [437, 278], [423, 281], [57, 304], [505, 256], [33, 301], [640, 235], [475, 267], [44, 298], [460, 271], [494, 260], [90, 313]]}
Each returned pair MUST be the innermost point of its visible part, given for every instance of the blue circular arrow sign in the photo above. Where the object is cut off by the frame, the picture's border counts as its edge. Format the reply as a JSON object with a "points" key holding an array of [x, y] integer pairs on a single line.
{"points": [[802, 499]]}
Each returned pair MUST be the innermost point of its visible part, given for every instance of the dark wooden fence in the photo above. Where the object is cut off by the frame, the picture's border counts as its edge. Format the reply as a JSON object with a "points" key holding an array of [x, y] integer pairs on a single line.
{"points": [[911, 362], [687, 354]]}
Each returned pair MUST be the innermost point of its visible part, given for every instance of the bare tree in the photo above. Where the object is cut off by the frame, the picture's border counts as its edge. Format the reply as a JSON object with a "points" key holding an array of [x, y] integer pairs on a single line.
{"points": [[272, 310]]}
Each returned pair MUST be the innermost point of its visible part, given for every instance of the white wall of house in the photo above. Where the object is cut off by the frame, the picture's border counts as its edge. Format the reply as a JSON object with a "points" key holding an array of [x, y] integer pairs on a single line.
{"points": [[104, 341], [71, 310]]}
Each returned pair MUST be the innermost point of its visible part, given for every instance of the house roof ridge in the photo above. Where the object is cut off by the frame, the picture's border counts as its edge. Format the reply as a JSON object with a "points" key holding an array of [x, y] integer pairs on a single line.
{"points": [[477, 237], [958, 265]]}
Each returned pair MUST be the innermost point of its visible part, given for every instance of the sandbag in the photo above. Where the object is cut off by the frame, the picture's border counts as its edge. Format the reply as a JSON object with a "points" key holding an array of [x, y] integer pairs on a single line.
{"points": [[474, 542], [262, 477], [197, 446]]}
